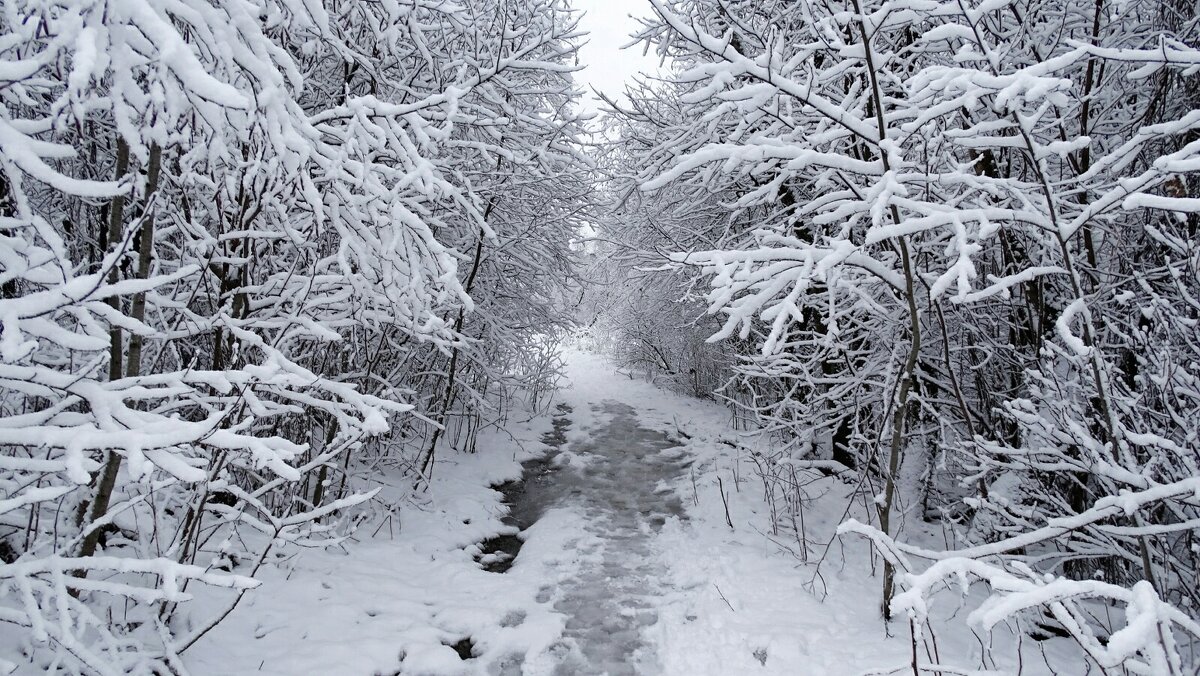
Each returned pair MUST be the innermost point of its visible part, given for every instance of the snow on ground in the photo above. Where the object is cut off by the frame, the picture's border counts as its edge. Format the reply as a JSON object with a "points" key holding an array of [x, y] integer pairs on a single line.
{"points": [[404, 596], [632, 569]]}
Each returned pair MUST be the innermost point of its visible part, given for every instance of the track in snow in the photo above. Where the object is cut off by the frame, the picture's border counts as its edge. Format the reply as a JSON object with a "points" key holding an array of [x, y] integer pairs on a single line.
{"points": [[621, 485]]}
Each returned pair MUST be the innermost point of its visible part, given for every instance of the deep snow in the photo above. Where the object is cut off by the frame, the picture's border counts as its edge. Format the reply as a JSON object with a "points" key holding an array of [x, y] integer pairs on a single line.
{"points": [[631, 567]]}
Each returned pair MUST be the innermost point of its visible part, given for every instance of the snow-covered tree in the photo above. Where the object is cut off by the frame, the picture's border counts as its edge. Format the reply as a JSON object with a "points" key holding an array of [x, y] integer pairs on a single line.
{"points": [[969, 227], [234, 233]]}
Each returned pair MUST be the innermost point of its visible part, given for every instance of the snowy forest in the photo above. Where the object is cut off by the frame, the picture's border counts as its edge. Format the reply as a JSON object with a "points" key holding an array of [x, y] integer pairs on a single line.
{"points": [[344, 337]]}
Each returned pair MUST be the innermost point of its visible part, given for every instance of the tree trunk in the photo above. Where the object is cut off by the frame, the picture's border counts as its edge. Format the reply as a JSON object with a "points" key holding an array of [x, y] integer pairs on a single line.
{"points": [[112, 463]]}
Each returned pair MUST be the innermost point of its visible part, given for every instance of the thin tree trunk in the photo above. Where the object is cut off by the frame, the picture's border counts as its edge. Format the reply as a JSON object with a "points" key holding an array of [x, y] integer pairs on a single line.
{"points": [[112, 464], [133, 363], [448, 395], [900, 412], [1085, 154], [322, 475]]}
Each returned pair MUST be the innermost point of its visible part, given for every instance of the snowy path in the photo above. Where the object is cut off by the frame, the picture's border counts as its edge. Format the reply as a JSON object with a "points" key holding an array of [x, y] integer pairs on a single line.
{"points": [[627, 563], [618, 481]]}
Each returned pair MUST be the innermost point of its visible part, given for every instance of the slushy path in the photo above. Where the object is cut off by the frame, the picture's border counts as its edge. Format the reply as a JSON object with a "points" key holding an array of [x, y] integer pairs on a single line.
{"points": [[619, 481]]}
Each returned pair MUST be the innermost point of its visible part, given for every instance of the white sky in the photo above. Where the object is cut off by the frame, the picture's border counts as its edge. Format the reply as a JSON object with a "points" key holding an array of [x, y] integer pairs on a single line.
{"points": [[606, 66]]}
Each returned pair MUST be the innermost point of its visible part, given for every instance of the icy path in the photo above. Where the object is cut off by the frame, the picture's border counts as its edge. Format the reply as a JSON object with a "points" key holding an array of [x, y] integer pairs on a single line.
{"points": [[618, 479]]}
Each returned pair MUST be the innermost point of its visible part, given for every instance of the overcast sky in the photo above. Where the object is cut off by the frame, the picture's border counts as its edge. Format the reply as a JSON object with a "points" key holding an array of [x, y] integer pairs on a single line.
{"points": [[606, 66]]}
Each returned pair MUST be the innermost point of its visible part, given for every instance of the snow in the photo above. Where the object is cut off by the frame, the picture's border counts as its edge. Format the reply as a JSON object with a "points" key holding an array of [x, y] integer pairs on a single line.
{"points": [[631, 569], [1063, 326], [398, 598]]}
